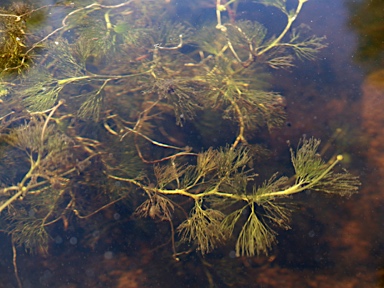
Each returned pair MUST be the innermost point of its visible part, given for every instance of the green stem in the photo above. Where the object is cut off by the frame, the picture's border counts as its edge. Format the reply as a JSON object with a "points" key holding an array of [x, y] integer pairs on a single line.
{"points": [[297, 188], [291, 19], [98, 77], [182, 192], [229, 2], [301, 185]]}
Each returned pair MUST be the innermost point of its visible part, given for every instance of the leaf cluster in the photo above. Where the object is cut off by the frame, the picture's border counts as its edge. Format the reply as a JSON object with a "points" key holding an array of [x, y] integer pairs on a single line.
{"points": [[203, 228], [156, 207], [35, 137], [221, 178], [313, 173], [182, 94], [13, 38], [127, 68]]}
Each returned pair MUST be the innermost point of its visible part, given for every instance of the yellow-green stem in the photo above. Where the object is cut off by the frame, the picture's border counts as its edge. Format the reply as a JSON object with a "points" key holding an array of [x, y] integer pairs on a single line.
{"points": [[291, 19]]}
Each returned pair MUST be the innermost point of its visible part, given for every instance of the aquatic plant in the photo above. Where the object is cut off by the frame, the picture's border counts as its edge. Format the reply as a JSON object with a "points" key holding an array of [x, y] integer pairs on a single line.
{"points": [[90, 129]]}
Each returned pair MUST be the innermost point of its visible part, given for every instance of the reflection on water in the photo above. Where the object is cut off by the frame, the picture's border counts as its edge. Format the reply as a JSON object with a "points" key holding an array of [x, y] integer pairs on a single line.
{"points": [[136, 137]]}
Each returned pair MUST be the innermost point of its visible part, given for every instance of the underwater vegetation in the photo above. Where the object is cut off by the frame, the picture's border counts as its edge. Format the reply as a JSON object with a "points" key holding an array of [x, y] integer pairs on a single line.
{"points": [[86, 103]]}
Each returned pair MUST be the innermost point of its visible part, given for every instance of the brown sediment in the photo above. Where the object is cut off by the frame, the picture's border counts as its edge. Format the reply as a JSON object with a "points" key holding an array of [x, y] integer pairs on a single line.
{"points": [[356, 237], [373, 121]]}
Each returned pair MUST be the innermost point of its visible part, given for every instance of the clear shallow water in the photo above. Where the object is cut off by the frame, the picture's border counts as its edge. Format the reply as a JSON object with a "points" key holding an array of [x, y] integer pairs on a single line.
{"points": [[333, 242]]}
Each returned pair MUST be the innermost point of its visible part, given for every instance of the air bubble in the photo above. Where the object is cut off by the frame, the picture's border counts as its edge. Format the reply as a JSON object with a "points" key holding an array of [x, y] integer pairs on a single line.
{"points": [[232, 254], [108, 255], [73, 240]]}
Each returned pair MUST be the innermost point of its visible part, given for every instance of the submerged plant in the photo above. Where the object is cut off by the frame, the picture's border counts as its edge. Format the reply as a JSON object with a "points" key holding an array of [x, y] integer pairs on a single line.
{"points": [[93, 114], [220, 182]]}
